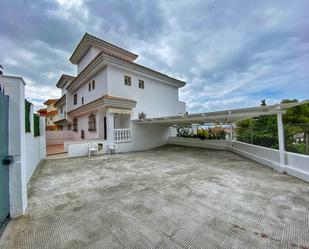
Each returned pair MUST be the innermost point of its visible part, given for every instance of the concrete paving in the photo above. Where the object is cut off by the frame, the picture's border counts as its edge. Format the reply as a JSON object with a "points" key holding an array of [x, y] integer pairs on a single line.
{"points": [[170, 197]]}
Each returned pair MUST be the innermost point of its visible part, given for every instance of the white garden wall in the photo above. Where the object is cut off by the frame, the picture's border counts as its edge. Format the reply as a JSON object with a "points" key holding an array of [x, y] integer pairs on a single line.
{"points": [[35, 147], [295, 164], [194, 142], [58, 137], [26, 150]]}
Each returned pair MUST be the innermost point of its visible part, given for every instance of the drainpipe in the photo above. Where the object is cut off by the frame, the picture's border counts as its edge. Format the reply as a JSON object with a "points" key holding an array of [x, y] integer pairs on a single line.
{"points": [[281, 141]]}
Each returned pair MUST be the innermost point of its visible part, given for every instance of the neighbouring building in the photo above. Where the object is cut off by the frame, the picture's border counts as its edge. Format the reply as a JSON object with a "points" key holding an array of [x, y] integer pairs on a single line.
{"points": [[109, 92], [52, 114], [42, 112]]}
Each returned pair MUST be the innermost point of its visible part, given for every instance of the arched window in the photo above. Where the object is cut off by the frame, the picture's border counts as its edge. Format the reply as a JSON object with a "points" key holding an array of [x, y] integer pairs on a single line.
{"points": [[75, 125], [92, 126]]}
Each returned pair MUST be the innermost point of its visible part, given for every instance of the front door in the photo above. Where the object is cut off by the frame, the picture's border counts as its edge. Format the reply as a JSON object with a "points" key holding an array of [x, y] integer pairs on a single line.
{"points": [[4, 169]]}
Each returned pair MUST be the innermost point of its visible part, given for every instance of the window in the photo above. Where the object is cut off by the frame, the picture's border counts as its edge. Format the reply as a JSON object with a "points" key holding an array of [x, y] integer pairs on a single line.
{"points": [[61, 110], [93, 84], [75, 125], [82, 100], [92, 123], [127, 80], [141, 84], [75, 99], [51, 118], [89, 87]]}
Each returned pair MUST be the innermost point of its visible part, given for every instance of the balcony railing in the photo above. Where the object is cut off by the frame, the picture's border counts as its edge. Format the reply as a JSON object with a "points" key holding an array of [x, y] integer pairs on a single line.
{"points": [[122, 135]]}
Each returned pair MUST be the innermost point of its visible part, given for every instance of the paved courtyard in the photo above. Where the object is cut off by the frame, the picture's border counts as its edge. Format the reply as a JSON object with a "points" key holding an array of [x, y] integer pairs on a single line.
{"points": [[170, 197]]}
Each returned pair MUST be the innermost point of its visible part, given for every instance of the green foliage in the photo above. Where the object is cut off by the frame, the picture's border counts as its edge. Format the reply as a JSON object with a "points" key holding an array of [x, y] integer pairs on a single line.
{"points": [[263, 130], [36, 125], [27, 116], [184, 132], [202, 133]]}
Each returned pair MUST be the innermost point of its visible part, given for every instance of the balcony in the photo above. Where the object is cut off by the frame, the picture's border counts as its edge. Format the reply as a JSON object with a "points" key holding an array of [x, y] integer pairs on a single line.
{"points": [[122, 135]]}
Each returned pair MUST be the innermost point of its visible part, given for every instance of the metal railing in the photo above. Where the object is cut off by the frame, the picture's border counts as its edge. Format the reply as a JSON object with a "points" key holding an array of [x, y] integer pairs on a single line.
{"points": [[122, 135]]}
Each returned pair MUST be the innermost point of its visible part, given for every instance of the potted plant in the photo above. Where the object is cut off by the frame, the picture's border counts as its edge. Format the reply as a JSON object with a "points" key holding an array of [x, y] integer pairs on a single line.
{"points": [[141, 116]]}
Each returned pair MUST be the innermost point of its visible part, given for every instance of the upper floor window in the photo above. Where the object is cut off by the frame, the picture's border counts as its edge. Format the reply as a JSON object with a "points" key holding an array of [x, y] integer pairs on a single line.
{"points": [[127, 80], [89, 87], [92, 122], [75, 125], [93, 84], [82, 100], [141, 84], [61, 110], [75, 99]]}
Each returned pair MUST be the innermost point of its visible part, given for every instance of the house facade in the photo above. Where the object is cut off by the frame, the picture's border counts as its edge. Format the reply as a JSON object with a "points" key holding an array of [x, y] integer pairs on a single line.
{"points": [[110, 91], [51, 114]]}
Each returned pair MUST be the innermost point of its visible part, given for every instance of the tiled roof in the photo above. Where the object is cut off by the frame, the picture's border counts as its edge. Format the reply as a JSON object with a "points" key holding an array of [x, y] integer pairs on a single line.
{"points": [[60, 82], [90, 38], [50, 101], [62, 99], [52, 113], [126, 61], [104, 100], [117, 98]]}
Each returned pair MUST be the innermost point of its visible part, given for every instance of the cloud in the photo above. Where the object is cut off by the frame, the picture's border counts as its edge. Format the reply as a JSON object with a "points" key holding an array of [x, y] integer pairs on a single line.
{"points": [[231, 53]]}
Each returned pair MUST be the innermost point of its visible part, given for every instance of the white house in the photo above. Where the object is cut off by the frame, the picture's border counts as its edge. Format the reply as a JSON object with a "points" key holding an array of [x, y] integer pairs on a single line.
{"points": [[109, 92]]}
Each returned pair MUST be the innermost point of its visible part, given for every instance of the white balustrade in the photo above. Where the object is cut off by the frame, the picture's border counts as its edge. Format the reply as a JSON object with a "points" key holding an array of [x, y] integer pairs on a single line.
{"points": [[122, 135]]}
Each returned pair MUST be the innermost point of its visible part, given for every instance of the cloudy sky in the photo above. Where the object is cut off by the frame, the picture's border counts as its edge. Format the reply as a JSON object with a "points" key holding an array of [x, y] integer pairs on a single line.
{"points": [[231, 53]]}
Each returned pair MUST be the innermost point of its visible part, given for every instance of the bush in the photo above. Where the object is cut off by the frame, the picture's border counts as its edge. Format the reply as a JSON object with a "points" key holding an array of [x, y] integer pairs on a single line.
{"points": [[184, 132]]}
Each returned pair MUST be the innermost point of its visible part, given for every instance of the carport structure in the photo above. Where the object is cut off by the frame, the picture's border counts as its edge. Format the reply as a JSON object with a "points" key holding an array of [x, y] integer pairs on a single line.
{"points": [[234, 115]]}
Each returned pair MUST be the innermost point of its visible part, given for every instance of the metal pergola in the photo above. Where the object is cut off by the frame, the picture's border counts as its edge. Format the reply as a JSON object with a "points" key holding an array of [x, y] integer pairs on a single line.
{"points": [[228, 117]]}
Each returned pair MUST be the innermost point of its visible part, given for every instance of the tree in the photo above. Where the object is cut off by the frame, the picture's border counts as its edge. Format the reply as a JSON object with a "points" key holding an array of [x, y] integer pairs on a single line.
{"points": [[263, 129]]}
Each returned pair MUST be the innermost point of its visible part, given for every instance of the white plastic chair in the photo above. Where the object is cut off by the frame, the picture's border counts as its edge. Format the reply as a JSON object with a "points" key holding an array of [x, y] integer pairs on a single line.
{"points": [[91, 148], [112, 147]]}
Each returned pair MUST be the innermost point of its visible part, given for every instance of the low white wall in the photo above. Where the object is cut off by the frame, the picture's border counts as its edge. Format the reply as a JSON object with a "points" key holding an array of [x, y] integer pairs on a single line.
{"points": [[195, 142], [144, 137], [80, 148], [295, 164], [58, 137], [266, 156]]}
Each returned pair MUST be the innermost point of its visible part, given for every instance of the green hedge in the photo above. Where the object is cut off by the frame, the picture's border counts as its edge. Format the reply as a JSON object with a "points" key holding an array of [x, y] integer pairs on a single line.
{"points": [[36, 125], [27, 116]]}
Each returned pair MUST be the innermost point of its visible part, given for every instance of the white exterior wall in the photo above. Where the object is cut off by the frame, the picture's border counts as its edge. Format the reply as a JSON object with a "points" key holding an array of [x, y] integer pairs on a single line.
{"points": [[156, 99], [21, 145], [122, 121], [15, 88], [82, 122], [99, 91], [145, 137], [88, 57], [35, 147]]}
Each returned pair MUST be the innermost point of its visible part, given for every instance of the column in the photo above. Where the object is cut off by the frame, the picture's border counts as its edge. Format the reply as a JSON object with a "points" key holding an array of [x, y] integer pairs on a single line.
{"points": [[110, 127], [281, 139]]}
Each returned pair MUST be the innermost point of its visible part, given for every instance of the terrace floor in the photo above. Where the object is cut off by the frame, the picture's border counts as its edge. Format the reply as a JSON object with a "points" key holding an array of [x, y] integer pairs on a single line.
{"points": [[170, 197]]}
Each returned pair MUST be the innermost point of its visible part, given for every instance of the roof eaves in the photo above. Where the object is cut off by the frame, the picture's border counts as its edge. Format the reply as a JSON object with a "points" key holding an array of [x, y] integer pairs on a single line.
{"points": [[88, 38]]}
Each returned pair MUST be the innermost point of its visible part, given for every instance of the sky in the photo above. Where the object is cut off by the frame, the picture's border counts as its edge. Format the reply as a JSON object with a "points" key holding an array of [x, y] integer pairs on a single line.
{"points": [[232, 54]]}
